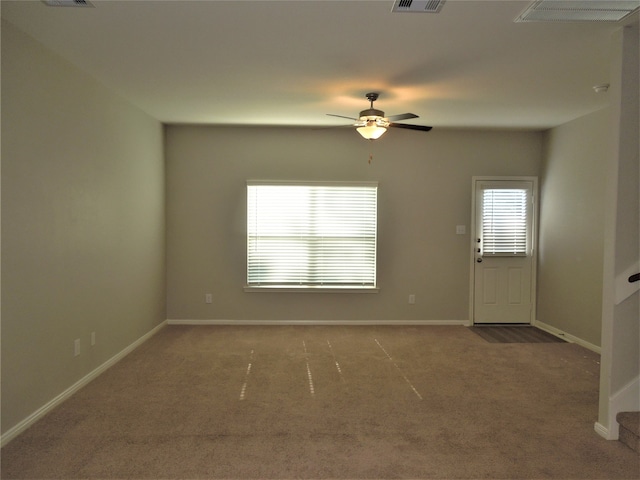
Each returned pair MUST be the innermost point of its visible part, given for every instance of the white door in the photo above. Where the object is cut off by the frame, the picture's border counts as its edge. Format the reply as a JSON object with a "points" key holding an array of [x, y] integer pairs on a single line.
{"points": [[503, 262]]}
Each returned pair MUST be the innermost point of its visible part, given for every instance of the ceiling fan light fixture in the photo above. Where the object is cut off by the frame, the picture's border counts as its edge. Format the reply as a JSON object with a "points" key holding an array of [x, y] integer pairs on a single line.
{"points": [[372, 123], [371, 131]]}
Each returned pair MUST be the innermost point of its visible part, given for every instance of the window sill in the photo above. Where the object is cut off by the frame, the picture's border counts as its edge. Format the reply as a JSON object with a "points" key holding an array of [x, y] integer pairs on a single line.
{"points": [[290, 289]]}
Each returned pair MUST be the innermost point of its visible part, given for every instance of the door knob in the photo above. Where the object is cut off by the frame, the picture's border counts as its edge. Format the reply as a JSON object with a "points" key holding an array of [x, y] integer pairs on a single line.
{"points": [[479, 260]]}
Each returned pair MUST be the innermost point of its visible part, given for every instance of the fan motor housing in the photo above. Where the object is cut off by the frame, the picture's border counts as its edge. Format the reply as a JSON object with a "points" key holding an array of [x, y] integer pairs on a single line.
{"points": [[371, 112]]}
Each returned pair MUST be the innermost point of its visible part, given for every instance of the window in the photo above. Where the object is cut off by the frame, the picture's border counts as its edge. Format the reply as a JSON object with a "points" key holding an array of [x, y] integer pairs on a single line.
{"points": [[505, 221], [311, 235]]}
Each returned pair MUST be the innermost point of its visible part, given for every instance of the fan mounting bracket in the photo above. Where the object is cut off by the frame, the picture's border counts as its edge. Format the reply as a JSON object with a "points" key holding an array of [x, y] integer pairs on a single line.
{"points": [[372, 96]]}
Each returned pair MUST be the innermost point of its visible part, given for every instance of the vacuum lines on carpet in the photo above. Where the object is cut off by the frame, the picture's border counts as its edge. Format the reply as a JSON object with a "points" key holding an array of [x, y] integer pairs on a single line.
{"points": [[400, 371], [243, 389], [246, 378]]}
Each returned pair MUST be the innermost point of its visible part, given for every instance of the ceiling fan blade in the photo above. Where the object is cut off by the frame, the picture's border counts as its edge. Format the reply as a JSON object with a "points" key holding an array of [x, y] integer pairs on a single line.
{"points": [[341, 116], [402, 116], [421, 128]]}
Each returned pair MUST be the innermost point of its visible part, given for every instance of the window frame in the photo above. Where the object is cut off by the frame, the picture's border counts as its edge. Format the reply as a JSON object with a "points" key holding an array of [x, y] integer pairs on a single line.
{"points": [[330, 288]]}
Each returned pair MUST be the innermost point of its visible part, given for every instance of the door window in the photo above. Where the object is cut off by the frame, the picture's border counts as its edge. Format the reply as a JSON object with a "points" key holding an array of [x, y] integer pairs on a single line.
{"points": [[505, 221]]}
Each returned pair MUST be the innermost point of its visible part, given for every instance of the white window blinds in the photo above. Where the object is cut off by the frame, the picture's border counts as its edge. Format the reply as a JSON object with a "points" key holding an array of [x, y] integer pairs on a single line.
{"points": [[311, 235], [504, 221]]}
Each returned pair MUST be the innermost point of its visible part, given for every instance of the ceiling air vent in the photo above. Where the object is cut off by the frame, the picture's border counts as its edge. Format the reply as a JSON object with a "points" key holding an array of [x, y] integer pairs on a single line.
{"points": [[578, 10], [417, 6], [67, 3]]}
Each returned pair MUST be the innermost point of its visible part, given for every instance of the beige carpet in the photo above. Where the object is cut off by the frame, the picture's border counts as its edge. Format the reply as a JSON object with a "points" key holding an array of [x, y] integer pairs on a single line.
{"points": [[330, 402]]}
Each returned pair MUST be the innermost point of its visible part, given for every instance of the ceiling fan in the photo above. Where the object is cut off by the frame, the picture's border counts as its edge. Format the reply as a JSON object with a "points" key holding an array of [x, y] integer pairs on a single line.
{"points": [[372, 123]]}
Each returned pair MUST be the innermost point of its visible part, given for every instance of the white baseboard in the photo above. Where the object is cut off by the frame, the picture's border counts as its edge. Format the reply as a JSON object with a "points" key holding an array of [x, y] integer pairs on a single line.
{"points": [[315, 322], [603, 431], [42, 411], [566, 336]]}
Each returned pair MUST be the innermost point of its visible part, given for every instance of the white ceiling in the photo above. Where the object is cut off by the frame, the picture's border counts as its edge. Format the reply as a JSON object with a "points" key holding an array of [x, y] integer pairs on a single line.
{"points": [[291, 62]]}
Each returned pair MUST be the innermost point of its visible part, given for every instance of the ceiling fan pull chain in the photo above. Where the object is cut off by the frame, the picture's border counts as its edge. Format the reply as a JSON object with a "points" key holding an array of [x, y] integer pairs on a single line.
{"points": [[370, 158]]}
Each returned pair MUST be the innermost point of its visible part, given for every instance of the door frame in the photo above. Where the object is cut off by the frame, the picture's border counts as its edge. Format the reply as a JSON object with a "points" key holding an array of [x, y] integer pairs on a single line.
{"points": [[534, 240]]}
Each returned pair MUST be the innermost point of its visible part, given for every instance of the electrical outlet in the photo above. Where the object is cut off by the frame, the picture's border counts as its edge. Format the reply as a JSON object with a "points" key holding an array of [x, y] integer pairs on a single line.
{"points": [[93, 338], [208, 298], [76, 347], [412, 299]]}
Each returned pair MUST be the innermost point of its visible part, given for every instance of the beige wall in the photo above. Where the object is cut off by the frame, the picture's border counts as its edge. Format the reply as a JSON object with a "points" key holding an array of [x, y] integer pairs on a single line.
{"points": [[571, 230], [424, 192], [82, 225]]}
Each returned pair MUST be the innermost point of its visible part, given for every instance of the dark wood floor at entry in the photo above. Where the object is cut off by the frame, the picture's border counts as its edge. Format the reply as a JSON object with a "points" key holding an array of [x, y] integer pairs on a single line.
{"points": [[515, 334]]}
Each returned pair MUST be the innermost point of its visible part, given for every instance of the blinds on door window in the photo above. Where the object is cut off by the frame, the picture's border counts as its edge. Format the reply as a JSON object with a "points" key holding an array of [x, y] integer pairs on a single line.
{"points": [[311, 235], [504, 221]]}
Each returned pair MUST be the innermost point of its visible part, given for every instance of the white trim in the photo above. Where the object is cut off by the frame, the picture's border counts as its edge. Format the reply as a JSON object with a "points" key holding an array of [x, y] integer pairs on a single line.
{"points": [[186, 321], [602, 431], [308, 289], [566, 336], [50, 405], [315, 183]]}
